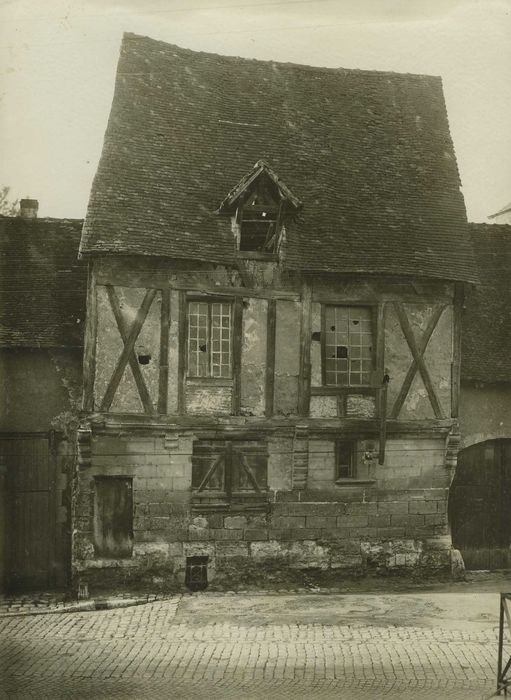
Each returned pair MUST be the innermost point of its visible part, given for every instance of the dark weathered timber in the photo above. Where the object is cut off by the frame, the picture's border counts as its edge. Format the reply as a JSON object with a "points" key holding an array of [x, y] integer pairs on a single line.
{"points": [[164, 351], [418, 363], [237, 330], [382, 411], [271, 320], [181, 361], [323, 345], [247, 292], [456, 360], [228, 469], [305, 351], [210, 472], [343, 390], [248, 472], [137, 374], [89, 354], [379, 339]]}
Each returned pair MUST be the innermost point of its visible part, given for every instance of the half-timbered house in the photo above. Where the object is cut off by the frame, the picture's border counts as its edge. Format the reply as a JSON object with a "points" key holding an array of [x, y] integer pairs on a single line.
{"points": [[277, 259], [42, 312]]}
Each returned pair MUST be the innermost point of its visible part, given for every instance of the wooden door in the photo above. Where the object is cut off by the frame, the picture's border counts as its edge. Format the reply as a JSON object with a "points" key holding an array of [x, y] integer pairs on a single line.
{"points": [[480, 505], [30, 525]]}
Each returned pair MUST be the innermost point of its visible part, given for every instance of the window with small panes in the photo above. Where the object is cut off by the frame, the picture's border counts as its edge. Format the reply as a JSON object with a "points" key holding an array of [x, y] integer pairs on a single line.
{"points": [[347, 345], [210, 339]]}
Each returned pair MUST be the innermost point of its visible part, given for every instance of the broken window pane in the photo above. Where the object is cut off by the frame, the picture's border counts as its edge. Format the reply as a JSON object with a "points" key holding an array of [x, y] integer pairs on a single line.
{"points": [[348, 345]]}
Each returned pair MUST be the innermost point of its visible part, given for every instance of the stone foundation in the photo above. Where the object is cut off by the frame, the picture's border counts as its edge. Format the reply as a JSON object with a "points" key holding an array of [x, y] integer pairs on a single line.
{"points": [[392, 520]]}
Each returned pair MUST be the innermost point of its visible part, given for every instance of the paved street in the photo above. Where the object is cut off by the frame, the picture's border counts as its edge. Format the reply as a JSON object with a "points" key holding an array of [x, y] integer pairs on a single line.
{"points": [[427, 645]]}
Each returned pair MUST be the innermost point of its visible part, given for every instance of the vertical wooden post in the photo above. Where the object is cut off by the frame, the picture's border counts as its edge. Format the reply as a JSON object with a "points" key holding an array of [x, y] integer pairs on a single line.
{"points": [[228, 467], [456, 356], [237, 331], [181, 362], [379, 335], [270, 357], [164, 351], [89, 355], [305, 349]]}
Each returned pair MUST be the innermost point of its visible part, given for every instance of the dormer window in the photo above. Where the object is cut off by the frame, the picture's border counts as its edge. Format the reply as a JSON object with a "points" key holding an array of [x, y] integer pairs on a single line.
{"points": [[259, 220], [259, 206]]}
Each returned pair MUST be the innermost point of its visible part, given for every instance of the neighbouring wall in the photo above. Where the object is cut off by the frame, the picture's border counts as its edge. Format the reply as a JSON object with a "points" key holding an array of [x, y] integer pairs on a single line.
{"points": [[485, 412], [37, 385]]}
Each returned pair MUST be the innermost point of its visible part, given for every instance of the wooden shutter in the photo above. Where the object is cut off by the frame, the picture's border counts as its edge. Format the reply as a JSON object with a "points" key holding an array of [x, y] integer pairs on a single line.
{"points": [[113, 517]]}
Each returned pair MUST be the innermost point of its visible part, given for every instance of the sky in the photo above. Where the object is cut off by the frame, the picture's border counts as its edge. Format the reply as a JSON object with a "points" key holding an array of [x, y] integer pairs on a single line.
{"points": [[58, 60]]}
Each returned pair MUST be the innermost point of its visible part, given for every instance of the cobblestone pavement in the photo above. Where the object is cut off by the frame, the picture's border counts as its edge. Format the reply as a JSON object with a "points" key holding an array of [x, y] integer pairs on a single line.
{"points": [[247, 646]]}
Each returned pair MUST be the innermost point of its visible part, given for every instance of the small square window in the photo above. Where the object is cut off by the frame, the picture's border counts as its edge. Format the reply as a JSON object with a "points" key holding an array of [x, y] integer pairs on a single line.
{"points": [[345, 460]]}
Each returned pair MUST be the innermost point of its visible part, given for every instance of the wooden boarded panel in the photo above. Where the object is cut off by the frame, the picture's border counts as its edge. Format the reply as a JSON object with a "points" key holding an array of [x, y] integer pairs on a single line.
{"points": [[30, 479], [479, 510], [113, 517]]}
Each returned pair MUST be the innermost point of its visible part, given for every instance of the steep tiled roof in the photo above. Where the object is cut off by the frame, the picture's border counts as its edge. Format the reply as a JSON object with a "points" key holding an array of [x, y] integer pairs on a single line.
{"points": [[369, 154], [42, 283], [486, 347]]}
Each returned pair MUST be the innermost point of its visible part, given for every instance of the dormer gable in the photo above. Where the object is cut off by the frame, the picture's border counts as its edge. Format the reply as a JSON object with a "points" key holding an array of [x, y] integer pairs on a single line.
{"points": [[259, 205]]}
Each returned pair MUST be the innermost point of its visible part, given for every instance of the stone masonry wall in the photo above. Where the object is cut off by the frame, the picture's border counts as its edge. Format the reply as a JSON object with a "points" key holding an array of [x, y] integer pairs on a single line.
{"points": [[393, 519]]}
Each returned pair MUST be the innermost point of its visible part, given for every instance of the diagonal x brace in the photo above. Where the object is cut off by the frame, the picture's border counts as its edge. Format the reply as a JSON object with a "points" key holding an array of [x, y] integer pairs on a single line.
{"points": [[418, 363], [129, 339]]}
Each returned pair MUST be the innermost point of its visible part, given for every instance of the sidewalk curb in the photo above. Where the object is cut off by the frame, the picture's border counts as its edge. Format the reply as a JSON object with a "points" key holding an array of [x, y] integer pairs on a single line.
{"points": [[92, 606]]}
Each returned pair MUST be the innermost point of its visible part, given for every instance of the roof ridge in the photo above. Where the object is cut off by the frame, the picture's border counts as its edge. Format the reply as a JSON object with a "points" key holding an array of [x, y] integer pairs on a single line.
{"points": [[127, 36]]}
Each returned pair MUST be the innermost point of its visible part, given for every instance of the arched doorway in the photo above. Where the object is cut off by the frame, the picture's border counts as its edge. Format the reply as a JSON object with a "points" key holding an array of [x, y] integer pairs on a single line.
{"points": [[480, 505]]}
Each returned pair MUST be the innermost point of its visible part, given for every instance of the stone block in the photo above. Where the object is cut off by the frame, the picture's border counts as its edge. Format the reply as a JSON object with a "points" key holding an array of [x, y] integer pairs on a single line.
{"points": [[390, 532], [141, 549], [423, 507], [254, 535], [308, 554], [320, 521], [362, 508], [305, 533], [223, 534], [393, 508], [352, 521], [379, 520], [197, 534], [199, 549], [160, 509], [282, 522], [233, 522], [231, 549], [268, 550]]}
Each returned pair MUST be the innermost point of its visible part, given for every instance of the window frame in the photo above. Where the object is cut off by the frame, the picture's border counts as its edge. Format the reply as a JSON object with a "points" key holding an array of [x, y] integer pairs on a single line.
{"points": [[372, 307], [339, 446], [210, 378]]}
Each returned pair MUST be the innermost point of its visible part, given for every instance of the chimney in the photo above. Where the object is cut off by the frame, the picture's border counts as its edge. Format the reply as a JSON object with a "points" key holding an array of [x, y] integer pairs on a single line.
{"points": [[28, 208]]}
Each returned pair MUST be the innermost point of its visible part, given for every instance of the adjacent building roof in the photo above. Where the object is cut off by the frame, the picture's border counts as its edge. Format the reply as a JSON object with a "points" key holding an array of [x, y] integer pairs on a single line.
{"points": [[504, 210], [368, 153], [486, 346], [42, 284]]}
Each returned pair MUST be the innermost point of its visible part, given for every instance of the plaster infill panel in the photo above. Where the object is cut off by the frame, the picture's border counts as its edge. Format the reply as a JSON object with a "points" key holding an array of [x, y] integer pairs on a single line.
{"points": [[287, 356], [253, 357]]}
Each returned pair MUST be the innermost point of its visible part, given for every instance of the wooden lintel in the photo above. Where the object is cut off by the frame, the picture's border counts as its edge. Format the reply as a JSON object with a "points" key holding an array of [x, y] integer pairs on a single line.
{"points": [[245, 292]]}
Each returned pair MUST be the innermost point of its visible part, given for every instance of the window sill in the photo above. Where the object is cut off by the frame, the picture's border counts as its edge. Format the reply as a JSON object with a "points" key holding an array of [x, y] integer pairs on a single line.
{"points": [[209, 381], [329, 390], [355, 482]]}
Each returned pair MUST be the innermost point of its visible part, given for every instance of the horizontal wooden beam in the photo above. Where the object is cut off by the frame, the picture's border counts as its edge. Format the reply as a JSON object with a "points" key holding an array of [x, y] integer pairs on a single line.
{"points": [[101, 421], [343, 390]]}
